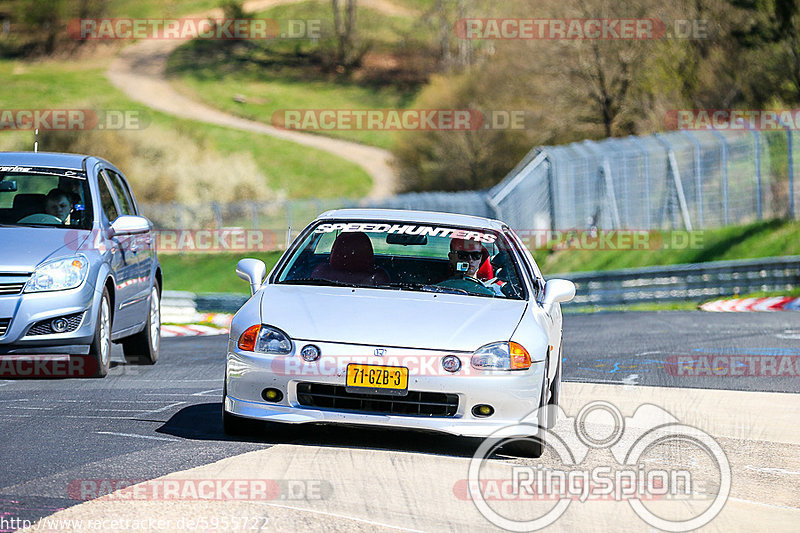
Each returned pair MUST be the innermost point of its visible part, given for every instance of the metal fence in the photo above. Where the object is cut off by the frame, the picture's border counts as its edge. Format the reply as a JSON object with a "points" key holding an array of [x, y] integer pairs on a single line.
{"points": [[685, 180]]}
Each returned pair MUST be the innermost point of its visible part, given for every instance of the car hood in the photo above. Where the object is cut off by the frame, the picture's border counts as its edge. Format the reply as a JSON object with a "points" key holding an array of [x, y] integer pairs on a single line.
{"points": [[389, 317], [24, 248]]}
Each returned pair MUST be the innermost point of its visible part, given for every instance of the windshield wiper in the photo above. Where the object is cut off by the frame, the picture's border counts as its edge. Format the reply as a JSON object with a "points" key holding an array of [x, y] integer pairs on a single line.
{"points": [[323, 282], [424, 287]]}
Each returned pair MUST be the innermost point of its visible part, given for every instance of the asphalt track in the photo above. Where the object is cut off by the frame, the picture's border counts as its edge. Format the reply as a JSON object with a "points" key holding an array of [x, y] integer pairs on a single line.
{"points": [[145, 423]]}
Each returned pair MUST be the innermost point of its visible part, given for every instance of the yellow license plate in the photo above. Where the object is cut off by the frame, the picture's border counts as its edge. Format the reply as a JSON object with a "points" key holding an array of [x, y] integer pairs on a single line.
{"points": [[377, 379]]}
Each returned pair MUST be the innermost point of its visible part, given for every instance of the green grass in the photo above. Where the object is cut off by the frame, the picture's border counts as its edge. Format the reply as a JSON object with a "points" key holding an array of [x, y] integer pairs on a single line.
{"points": [[300, 171], [760, 239], [204, 273], [288, 74]]}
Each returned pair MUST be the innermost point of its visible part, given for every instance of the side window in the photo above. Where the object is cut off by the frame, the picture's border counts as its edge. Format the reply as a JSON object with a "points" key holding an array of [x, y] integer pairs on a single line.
{"points": [[126, 204], [107, 199]]}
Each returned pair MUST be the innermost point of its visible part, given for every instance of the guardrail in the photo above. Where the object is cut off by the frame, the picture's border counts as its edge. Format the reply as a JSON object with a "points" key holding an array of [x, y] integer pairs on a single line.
{"points": [[208, 303], [698, 281]]}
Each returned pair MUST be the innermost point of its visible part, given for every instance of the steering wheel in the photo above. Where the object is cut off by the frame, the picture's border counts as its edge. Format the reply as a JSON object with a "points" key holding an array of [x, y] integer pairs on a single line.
{"points": [[40, 218]]}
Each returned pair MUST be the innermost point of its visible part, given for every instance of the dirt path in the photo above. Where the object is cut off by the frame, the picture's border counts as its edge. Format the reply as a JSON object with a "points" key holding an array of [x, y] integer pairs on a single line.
{"points": [[139, 71]]}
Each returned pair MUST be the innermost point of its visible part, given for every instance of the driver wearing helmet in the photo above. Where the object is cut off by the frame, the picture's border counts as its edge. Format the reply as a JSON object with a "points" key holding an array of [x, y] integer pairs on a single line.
{"points": [[466, 258]]}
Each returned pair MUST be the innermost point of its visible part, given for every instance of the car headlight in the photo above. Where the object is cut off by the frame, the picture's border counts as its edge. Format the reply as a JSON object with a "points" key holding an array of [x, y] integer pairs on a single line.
{"points": [[265, 339], [58, 275], [501, 356]]}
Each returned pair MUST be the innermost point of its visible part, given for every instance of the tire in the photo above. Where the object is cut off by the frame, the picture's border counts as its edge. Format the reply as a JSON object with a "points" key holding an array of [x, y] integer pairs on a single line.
{"points": [[100, 349], [143, 348]]}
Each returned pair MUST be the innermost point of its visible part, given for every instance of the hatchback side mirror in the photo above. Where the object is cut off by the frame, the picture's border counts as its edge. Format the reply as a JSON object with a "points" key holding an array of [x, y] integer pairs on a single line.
{"points": [[130, 225], [557, 290], [252, 271]]}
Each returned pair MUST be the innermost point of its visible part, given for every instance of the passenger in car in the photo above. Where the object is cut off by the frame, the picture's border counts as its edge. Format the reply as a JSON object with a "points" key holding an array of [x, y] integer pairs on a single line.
{"points": [[466, 258]]}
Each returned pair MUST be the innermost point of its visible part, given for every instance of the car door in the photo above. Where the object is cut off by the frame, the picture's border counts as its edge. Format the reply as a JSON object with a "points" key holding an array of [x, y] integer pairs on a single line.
{"points": [[123, 261], [141, 244]]}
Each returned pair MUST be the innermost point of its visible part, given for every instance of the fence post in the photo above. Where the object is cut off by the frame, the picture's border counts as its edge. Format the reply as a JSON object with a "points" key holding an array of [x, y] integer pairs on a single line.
{"points": [[791, 167], [698, 177], [724, 174], [646, 157], [757, 150], [608, 181], [672, 167]]}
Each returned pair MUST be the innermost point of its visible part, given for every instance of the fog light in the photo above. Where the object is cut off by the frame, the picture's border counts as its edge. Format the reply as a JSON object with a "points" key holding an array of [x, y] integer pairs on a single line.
{"points": [[451, 363], [310, 353], [272, 395], [59, 325], [482, 411]]}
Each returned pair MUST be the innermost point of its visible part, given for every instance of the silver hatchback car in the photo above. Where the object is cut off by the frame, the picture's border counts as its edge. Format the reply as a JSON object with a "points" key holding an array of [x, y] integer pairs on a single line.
{"points": [[404, 319], [78, 268]]}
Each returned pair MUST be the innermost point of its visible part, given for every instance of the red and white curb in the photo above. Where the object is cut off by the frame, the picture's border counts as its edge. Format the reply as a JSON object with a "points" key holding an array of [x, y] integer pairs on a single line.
{"points": [[196, 324], [738, 305], [191, 330]]}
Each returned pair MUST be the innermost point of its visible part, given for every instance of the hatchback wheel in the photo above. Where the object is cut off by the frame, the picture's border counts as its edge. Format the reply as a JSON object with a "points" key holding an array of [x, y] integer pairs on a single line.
{"points": [[143, 348], [100, 349]]}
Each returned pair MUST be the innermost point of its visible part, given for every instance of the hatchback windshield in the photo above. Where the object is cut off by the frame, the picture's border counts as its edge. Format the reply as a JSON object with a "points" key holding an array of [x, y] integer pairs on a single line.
{"points": [[44, 197], [406, 256]]}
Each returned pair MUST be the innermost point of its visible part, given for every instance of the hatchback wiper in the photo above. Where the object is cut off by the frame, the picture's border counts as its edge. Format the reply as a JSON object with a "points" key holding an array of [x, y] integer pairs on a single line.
{"points": [[318, 281]]}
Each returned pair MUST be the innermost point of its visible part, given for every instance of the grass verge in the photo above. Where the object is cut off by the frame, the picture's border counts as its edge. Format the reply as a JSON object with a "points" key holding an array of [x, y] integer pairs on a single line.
{"points": [[760, 239], [203, 273]]}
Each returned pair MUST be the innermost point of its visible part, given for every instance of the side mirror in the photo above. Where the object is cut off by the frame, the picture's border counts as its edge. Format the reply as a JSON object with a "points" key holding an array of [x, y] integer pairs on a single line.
{"points": [[557, 290], [130, 225], [252, 271]]}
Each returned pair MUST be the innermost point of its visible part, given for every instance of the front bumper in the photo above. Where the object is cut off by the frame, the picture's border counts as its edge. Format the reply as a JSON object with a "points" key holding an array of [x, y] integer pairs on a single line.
{"points": [[27, 309], [514, 395]]}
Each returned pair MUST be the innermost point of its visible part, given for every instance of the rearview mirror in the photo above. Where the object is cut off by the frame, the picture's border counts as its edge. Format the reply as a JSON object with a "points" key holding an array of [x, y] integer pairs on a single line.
{"points": [[8, 186], [252, 271], [406, 240], [557, 290]]}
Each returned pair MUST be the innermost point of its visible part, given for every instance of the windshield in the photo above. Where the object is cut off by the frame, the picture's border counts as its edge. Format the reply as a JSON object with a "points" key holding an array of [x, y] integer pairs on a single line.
{"points": [[406, 256], [44, 197]]}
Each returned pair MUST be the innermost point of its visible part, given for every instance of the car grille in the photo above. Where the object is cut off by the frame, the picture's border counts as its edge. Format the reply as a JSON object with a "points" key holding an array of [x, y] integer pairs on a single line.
{"points": [[43, 326], [12, 283], [4, 322], [415, 403]]}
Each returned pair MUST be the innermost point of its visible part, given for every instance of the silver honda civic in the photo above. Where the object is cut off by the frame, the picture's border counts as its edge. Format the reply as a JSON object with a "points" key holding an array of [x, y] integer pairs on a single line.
{"points": [[406, 319], [78, 268]]}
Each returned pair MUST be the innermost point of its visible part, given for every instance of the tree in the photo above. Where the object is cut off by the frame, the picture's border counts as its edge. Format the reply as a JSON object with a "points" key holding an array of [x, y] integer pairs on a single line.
{"points": [[348, 53]]}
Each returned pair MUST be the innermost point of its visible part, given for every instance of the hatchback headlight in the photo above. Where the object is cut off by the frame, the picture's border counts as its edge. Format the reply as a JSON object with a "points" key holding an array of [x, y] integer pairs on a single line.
{"points": [[59, 275], [501, 356], [265, 339]]}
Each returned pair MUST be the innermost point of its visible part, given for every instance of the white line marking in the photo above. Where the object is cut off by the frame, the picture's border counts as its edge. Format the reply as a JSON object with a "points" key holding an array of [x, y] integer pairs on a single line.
{"points": [[768, 470], [206, 392], [162, 409], [762, 503], [136, 436], [337, 515]]}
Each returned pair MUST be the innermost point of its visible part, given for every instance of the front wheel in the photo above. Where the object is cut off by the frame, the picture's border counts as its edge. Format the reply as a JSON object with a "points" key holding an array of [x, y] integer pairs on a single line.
{"points": [[143, 347], [100, 349]]}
